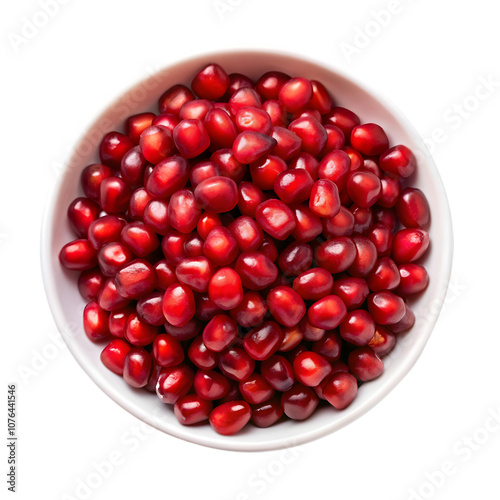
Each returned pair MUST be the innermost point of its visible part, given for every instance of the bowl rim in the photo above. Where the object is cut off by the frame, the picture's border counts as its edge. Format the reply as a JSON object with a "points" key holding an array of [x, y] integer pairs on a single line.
{"points": [[185, 433]]}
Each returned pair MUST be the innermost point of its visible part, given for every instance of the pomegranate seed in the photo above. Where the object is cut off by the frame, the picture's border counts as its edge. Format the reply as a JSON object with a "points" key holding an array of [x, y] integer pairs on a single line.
{"points": [[293, 186], [183, 211], [341, 224], [335, 167], [192, 409], [178, 304], [173, 383], [195, 110], [249, 198], [312, 134], [265, 171], [329, 346], [363, 188], [276, 112], [244, 98], [381, 236], [340, 390], [263, 341], [255, 389], [136, 124], [285, 305], [267, 413], [206, 223], [369, 139], [311, 332], [413, 208], [276, 218], [405, 323], [385, 216], [132, 166], [344, 119], [336, 255], [414, 279], [357, 327], [174, 98], [247, 233], [295, 93], [363, 218], [113, 355], [310, 368], [327, 313], [136, 279], [236, 364], [255, 270], [225, 288], [238, 81], [150, 310], [167, 177], [386, 308], [270, 83], [228, 165], [306, 162], [112, 257], [117, 321], [292, 337], [220, 247], [335, 139], [249, 146], [156, 216], [278, 372], [91, 179], [383, 341], [287, 143], [409, 245], [191, 138], [81, 213], [211, 82], [90, 283], [364, 364], [299, 402], [220, 332], [308, 224], [201, 356], [390, 188], [295, 259], [324, 198], [217, 194], [269, 249], [138, 332], [251, 310], [254, 119], [352, 291], [172, 246], [156, 143], [210, 385], [113, 147], [399, 161], [138, 202], [229, 418], [109, 299], [167, 120], [187, 331], [114, 195], [220, 128], [95, 322], [321, 99], [313, 284], [366, 257], [137, 367], [166, 275], [78, 255], [384, 276], [140, 238]]}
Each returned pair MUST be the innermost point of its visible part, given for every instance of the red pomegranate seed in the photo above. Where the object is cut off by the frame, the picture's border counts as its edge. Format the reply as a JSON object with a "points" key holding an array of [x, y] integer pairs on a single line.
{"points": [[312, 134], [265, 171], [156, 143], [369, 139], [276, 112], [352, 291], [384, 276], [136, 124], [201, 356], [78, 255], [295, 258], [195, 110], [113, 147], [363, 218], [172, 246], [285, 305], [390, 188], [381, 236], [335, 140], [219, 333], [217, 194], [385, 216], [299, 402], [308, 224], [187, 331], [267, 413], [174, 98], [238, 81], [249, 146], [255, 270], [340, 390], [236, 364], [183, 211], [112, 257], [220, 128], [366, 257], [149, 309], [252, 118], [138, 202], [193, 246], [132, 167], [335, 167], [210, 385], [91, 179], [414, 279], [90, 283], [206, 223], [156, 216], [136, 279], [173, 383], [341, 224], [275, 218], [178, 304], [247, 233], [293, 186], [269, 249], [364, 364], [225, 288], [117, 321], [405, 323], [357, 327], [167, 120], [165, 273], [250, 311], [399, 161], [363, 188], [310, 368], [313, 284], [311, 333], [244, 98], [114, 195], [113, 355], [109, 299], [137, 367], [228, 165], [287, 143], [413, 208], [211, 82], [255, 389], [278, 372], [191, 409], [327, 313], [292, 337], [138, 332], [321, 99], [191, 138], [81, 213], [229, 418], [329, 346], [386, 308], [263, 341], [167, 177], [140, 238], [270, 83], [336, 255], [295, 93], [95, 322], [409, 245], [195, 272], [383, 341], [343, 118]]}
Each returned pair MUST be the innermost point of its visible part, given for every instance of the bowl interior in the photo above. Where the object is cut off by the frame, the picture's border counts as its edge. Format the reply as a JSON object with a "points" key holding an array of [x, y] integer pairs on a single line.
{"points": [[67, 305]]}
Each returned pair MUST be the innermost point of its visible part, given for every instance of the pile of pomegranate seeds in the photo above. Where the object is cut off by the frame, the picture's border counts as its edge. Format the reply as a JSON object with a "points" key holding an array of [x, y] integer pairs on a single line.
{"points": [[247, 252]]}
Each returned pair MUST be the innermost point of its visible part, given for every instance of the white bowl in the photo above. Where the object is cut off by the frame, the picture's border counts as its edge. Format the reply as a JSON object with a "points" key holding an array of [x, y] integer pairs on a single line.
{"points": [[67, 305]]}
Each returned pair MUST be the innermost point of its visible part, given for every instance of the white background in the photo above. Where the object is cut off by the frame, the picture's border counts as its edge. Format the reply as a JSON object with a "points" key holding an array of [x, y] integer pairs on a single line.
{"points": [[429, 59]]}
